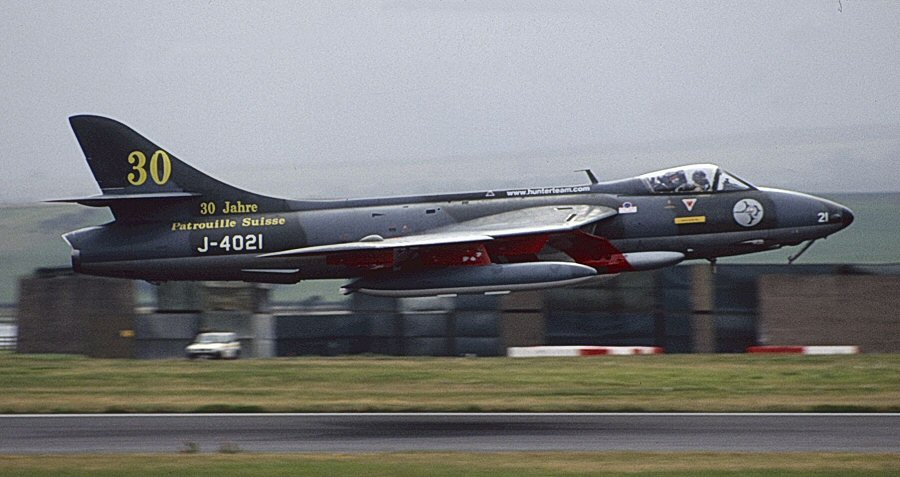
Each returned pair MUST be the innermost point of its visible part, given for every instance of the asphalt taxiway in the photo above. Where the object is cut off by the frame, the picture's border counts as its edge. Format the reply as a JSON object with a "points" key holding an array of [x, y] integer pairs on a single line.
{"points": [[450, 432]]}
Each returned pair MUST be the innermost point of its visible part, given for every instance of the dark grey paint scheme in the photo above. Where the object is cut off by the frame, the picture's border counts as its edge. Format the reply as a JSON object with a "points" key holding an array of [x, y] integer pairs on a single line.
{"points": [[170, 224]]}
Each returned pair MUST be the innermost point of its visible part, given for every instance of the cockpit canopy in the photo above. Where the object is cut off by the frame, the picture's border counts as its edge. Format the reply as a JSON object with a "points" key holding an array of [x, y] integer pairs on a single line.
{"points": [[693, 179]]}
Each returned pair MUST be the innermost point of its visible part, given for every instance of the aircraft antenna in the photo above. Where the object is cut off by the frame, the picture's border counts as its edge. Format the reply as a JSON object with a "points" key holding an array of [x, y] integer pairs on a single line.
{"points": [[590, 175]]}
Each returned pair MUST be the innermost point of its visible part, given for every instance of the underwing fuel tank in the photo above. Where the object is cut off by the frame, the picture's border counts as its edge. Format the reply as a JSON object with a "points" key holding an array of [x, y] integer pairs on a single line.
{"points": [[490, 279], [640, 261]]}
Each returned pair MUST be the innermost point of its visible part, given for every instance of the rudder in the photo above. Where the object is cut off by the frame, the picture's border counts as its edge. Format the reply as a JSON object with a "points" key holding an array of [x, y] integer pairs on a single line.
{"points": [[141, 181]]}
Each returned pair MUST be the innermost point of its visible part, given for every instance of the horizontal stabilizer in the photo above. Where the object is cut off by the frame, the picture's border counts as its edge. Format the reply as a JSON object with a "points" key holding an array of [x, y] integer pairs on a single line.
{"points": [[106, 200]]}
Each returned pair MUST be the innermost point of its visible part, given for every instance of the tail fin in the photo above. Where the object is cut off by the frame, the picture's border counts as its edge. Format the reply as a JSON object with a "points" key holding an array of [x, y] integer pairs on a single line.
{"points": [[142, 182]]}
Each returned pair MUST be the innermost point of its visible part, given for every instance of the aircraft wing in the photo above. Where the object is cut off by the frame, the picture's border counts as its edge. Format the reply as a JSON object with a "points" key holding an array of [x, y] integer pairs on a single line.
{"points": [[520, 222], [374, 243], [534, 220]]}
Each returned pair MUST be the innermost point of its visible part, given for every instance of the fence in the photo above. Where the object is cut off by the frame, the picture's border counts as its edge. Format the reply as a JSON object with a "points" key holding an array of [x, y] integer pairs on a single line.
{"points": [[8, 333]]}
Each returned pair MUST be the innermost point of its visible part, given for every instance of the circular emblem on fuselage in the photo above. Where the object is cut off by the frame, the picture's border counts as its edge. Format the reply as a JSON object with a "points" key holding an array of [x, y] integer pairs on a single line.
{"points": [[747, 212]]}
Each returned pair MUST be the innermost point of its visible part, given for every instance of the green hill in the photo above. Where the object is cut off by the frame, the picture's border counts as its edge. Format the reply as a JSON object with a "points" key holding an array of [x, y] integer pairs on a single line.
{"points": [[31, 239]]}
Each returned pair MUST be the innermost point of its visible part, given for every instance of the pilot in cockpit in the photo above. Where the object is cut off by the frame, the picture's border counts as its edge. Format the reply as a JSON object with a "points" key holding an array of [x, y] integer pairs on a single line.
{"points": [[669, 182], [701, 181]]}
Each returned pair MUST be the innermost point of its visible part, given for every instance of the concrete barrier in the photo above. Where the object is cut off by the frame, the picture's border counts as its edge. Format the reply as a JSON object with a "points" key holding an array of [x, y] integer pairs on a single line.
{"points": [[571, 351], [804, 349]]}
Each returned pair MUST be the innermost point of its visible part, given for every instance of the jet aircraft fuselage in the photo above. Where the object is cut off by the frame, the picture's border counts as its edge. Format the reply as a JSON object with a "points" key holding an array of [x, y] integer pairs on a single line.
{"points": [[173, 222]]}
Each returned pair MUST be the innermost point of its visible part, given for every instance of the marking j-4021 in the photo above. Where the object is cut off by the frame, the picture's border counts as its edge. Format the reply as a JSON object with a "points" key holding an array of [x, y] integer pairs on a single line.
{"points": [[233, 243]]}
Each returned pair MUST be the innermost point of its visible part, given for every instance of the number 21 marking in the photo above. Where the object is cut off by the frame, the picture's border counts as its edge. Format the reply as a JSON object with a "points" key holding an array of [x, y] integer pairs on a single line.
{"points": [[823, 217]]}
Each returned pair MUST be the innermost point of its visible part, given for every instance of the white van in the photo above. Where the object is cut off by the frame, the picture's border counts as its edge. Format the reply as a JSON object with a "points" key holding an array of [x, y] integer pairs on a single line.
{"points": [[214, 345]]}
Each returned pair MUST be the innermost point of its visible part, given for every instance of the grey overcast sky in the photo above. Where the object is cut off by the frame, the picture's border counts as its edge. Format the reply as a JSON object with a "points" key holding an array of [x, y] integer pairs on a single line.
{"points": [[334, 99]]}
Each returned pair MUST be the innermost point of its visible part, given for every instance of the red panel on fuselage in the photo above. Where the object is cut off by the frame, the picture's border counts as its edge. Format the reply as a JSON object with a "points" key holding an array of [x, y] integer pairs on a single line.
{"points": [[369, 259], [454, 256], [517, 249], [592, 251]]}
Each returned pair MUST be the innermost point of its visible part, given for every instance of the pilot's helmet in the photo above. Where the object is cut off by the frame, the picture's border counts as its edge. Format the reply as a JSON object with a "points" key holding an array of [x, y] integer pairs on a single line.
{"points": [[700, 179], [675, 177]]}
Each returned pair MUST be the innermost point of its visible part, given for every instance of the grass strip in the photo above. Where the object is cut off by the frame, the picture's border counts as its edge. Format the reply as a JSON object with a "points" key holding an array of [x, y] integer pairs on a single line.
{"points": [[453, 464], [683, 383]]}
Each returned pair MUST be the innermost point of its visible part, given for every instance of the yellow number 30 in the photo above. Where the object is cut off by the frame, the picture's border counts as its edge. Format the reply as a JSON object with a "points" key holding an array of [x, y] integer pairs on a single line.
{"points": [[160, 168]]}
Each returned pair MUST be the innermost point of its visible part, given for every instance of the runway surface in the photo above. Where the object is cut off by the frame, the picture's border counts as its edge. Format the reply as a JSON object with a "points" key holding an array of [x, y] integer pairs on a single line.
{"points": [[450, 432]]}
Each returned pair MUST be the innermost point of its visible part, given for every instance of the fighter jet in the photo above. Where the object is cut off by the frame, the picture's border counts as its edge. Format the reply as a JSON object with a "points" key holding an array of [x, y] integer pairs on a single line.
{"points": [[173, 222]]}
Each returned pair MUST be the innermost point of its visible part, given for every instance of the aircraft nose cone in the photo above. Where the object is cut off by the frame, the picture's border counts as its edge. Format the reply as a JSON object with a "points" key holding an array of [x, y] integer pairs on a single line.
{"points": [[846, 216]]}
